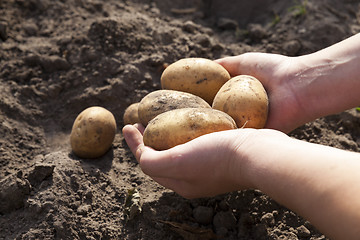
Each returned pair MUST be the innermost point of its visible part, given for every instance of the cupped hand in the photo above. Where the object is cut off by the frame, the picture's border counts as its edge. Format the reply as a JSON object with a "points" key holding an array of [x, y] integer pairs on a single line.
{"points": [[209, 165], [278, 74], [199, 168]]}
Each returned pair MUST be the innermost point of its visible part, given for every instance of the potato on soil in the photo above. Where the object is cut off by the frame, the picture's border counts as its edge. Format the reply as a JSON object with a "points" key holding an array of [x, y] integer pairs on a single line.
{"points": [[182, 125], [245, 100], [131, 115], [161, 101], [93, 132], [199, 76]]}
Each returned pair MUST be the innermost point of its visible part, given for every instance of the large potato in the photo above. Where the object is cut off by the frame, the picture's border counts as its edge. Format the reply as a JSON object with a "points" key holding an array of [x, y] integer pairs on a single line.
{"points": [[199, 76], [93, 132], [245, 100], [182, 125], [131, 115], [165, 100]]}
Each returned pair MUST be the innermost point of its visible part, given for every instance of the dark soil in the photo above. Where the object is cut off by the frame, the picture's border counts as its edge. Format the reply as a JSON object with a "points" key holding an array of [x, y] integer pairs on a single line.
{"points": [[59, 57]]}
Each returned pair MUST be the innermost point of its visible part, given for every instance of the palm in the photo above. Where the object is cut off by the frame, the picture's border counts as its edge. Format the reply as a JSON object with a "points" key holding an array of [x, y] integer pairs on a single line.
{"points": [[276, 72], [196, 168]]}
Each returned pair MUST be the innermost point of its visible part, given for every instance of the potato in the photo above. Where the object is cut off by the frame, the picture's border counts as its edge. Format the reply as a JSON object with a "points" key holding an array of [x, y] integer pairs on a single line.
{"points": [[131, 115], [93, 132], [165, 100], [199, 76], [245, 100], [182, 125]]}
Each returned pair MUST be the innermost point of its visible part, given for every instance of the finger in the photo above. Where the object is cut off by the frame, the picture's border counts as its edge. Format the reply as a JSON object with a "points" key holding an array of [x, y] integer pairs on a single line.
{"points": [[258, 65], [139, 127], [134, 139], [179, 162], [152, 162], [161, 164], [237, 65]]}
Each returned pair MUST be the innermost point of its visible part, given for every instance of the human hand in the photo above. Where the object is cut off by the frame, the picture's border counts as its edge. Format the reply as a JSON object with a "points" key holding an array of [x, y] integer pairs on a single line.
{"points": [[297, 174], [277, 73], [209, 165]]}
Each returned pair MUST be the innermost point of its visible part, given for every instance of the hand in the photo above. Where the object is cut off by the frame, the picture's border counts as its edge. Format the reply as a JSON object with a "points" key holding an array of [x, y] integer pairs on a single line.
{"points": [[304, 88], [297, 174], [277, 73], [209, 165]]}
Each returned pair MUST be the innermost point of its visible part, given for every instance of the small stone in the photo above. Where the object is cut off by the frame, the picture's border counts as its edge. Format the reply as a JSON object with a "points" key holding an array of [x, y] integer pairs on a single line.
{"points": [[155, 59], [189, 26], [256, 31], [88, 54], [83, 209], [227, 24], [303, 232], [54, 90], [203, 215], [202, 39], [268, 219], [3, 30], [292, 47], [31, 29], [48, 63], [32, 60], [291, 236], [53, 63]]}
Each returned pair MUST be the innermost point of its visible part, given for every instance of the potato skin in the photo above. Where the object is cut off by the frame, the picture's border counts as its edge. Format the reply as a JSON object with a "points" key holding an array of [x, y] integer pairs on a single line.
{"points": [[245, 100], [199, 76], [161, 101], [93, 132], [182, 125], [131, 115]]}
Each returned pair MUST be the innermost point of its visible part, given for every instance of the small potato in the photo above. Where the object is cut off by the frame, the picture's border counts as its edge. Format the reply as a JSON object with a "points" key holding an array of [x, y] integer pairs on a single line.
{"points": [[93, 132], [199, 76], [131, 115], [245, 100], [182, 125], [165, 100]]}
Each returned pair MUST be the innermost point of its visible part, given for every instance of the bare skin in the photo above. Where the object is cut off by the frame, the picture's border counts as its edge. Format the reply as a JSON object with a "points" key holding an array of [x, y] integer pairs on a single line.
{"points": [[318, 182], [304, 88]]}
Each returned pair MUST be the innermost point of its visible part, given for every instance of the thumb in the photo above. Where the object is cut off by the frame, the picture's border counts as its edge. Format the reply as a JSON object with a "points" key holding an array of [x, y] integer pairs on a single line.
{"points": [[262, 66], [241, 64]]}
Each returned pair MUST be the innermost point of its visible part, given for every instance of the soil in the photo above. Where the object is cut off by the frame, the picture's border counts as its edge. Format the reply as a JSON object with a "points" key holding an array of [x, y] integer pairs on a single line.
{"points": [[59, 57]]}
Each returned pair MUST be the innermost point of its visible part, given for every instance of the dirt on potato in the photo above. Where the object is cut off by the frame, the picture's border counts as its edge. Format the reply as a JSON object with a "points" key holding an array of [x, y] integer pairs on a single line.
{"points": [[59, 57]]}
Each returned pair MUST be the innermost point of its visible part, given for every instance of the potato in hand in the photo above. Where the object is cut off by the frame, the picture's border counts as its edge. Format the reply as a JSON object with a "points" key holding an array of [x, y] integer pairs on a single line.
{"points": [[182, 125], [245, 100], [131, 115], [161, 101], [199, 76]]}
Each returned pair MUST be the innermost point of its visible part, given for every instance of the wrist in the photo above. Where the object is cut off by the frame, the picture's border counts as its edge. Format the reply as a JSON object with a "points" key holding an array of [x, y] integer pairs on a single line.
{"points": [[255, 155], [328, 80]]}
